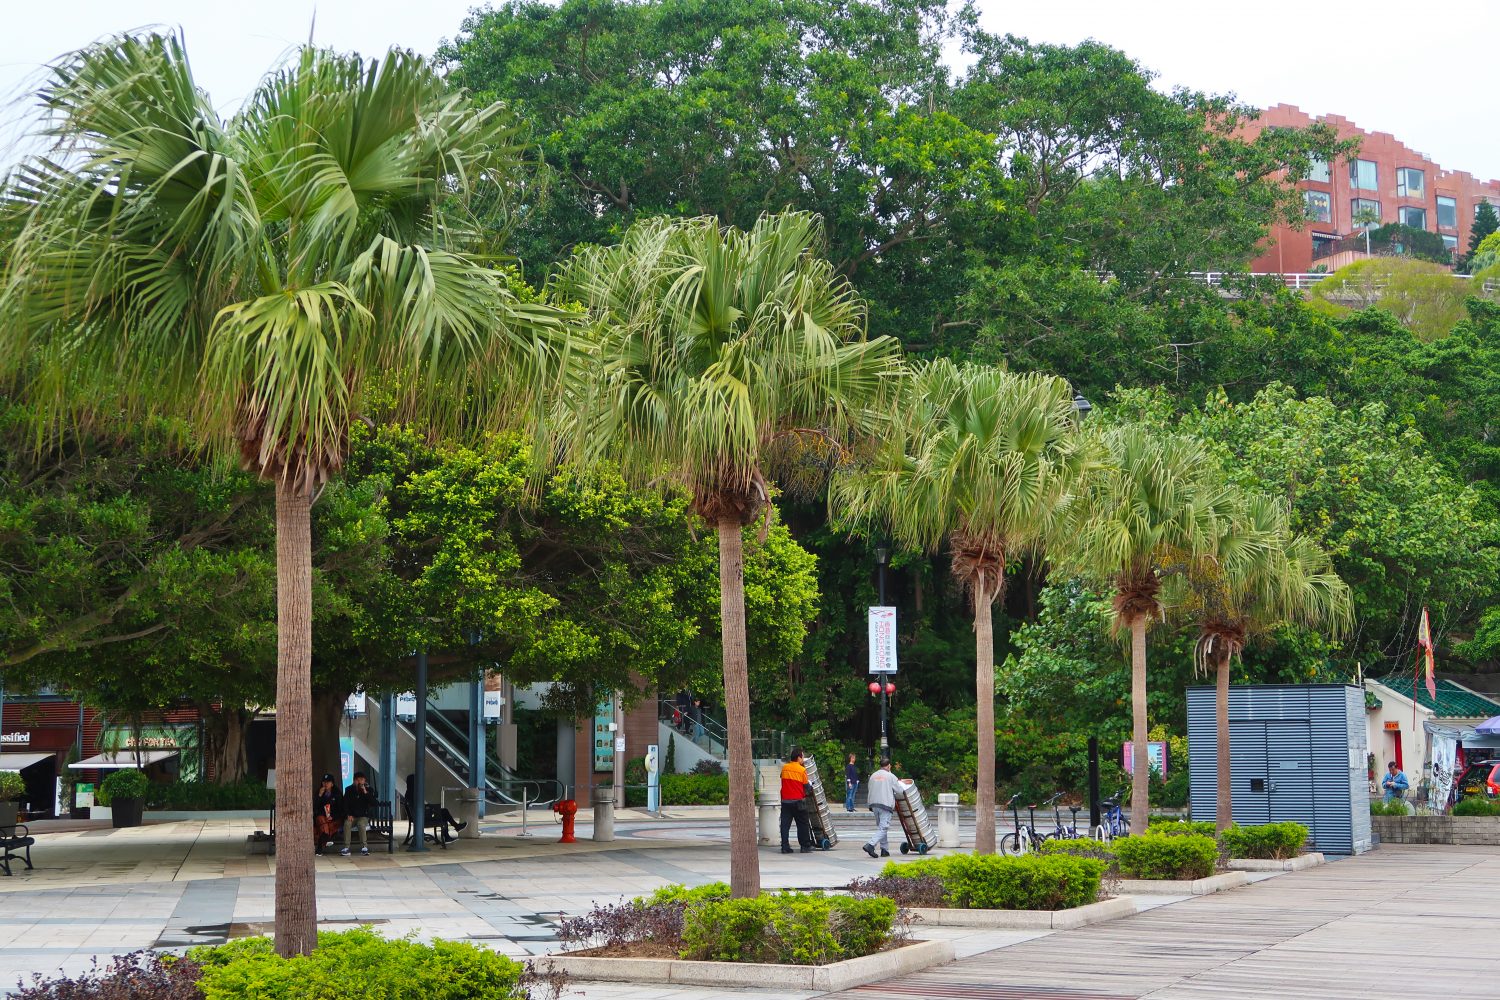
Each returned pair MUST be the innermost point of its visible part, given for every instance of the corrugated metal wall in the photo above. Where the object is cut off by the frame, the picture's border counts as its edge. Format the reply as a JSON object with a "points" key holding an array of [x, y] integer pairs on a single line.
{"points": [[1298, 754]]}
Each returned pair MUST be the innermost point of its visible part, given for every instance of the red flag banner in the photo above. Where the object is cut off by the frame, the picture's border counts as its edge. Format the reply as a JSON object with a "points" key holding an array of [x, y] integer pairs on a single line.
{"points": [[1424, 643]]}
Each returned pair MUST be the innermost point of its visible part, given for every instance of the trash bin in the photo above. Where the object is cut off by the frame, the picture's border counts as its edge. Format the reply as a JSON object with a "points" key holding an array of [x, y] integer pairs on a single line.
{"points": [[463, 803], [603, 801], [948, 819], [770, 810]]}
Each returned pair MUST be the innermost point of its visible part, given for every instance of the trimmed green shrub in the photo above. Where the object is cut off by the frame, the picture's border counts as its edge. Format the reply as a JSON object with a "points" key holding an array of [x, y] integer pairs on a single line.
{"points": [[1273, 841], [12, 786], [711, 892], [789, 928], [1081, 847], [991, 882], [123, 784], [355, 964], [1472, 806], [187, 796], [1379, 807], [694, 789], [1171, 826], [1156, 856]]}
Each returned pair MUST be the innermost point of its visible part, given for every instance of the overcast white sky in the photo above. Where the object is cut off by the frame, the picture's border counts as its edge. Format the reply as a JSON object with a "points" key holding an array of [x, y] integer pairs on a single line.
{"points": [[1427, 73]]}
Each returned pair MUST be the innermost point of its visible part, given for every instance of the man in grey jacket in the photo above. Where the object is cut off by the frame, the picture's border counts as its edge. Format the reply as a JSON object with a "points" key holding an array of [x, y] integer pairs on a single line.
{"points": [[882, 798]]}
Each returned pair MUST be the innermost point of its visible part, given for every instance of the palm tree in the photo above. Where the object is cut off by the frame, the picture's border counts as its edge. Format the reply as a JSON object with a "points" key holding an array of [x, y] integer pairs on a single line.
{"points": [[266, 278], [1261, 576], [1154, 512], [986, 463], [719, 350]]}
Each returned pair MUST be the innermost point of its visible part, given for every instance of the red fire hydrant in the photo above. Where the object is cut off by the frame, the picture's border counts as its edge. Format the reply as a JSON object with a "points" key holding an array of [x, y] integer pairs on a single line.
{"points": [[566, 808]]}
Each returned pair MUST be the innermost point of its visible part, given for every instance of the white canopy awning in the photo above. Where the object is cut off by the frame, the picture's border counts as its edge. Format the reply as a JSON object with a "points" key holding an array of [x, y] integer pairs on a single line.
{"points": [[122, 759], [16, 761]]}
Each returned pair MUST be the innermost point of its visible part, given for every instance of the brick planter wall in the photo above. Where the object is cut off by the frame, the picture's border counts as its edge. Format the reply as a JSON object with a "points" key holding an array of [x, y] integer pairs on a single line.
{"points": [[1437, 829]]}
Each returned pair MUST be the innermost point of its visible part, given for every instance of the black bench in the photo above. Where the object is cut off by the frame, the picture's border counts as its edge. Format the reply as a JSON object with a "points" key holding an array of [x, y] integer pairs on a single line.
{"points": [[16, 841], [382, 824], [431, 820]]}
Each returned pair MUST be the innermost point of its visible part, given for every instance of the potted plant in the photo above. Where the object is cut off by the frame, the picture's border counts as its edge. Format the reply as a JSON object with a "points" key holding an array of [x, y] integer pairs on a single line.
{"points": [[12, 787], [125, 794]]}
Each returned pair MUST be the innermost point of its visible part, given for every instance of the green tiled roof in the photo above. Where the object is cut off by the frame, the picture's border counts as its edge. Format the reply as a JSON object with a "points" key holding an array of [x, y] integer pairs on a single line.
{"points": [[1452, 701]]}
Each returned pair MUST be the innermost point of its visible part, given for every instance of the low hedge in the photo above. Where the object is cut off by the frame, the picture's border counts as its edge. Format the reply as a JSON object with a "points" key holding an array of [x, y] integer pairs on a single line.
{"points": [[347, 965], [694, 789], [1382, 808], [1158, 856], [123, 784], [788, 928], [1272, 841], [1170, 827], [1476, 807], [1079, 847], [991, 882], [190, 796]]}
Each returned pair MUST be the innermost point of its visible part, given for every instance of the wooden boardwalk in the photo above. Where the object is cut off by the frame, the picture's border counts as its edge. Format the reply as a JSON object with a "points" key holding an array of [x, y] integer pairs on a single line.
{"points": [[1405, 922]]}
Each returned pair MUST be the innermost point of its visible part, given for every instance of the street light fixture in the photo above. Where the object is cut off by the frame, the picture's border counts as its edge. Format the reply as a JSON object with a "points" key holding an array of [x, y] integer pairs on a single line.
{"points": [[1081, 406]]}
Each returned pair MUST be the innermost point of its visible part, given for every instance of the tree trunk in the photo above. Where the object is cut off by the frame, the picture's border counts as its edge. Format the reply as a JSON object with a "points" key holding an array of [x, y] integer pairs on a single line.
{"points": [[1224, 812], [744, 848], [984, 699], [296, 889], [1140, 803], [224, 742], [328, 719]]}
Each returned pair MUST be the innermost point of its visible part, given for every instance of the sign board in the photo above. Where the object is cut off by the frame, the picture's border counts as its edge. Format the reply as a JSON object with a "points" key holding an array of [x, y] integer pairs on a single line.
{"points": [[493, 702], [346, 760], [1393, 727], [15, 739], [355, 705], [604, 737], [619, 744], [651, 752], [406, 705], [882, 640], [1156, 753]]}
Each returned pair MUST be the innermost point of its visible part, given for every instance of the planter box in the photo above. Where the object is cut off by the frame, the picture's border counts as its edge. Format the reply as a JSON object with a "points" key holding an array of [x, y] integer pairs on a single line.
{"points": [[1301, 861], [126, 812], [750, 975], [1477, 830], [1176, 887], [1057, 920]]}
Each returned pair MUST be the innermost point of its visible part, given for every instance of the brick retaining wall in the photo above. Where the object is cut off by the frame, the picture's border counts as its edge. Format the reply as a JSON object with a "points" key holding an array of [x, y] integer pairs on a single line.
{"points": [[1437, 829]]}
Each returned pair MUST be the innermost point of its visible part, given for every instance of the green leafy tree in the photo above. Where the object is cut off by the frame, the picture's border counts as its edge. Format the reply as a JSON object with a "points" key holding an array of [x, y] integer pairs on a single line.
{"points": [[1486, 223], [257, 275], [723, 355], [986, 465], [1156, 512]]}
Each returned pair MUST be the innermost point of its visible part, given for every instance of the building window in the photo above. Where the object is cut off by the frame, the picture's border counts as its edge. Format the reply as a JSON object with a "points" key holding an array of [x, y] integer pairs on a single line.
{"points": [[1447, 212], [1317, 170], [1413, 217], [1409, 182], [1319, 205], [1451, 243], [1364, 212], [1363, 175]]}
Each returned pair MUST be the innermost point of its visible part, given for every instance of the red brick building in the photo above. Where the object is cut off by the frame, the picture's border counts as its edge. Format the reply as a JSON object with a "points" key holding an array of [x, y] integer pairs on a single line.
{"points": [[1387, 181]]}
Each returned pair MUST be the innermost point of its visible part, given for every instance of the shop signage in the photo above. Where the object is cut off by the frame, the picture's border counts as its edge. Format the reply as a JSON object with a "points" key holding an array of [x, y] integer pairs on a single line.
{"points": [[493, 701], [151, 743], [15, 739]]}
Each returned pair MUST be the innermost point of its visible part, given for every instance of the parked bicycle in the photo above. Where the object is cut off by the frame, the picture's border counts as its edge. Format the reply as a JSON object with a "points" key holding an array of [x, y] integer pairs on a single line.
{"points": [[1114, 822], [1026, 835], [1068, 830]]}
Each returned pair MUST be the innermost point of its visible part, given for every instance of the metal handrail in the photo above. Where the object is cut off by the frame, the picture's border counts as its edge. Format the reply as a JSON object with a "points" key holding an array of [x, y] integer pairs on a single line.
{"points": [[495, 788]]}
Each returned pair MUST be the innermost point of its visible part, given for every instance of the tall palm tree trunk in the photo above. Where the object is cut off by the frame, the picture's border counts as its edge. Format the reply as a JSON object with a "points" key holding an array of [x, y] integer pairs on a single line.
{"points": [[984, 697], [296, 885], [1224, 812], [1140, 806], [744, 850]]}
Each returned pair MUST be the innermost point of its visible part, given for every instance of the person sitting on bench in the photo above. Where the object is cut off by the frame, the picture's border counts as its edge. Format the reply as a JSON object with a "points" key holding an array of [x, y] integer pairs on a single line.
{"points": [[359, 804], [435, 814], [328, 814]]}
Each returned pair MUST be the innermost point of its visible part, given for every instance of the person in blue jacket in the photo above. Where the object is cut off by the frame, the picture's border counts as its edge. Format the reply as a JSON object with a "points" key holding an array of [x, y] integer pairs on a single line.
{"points": [[1395, 783]]}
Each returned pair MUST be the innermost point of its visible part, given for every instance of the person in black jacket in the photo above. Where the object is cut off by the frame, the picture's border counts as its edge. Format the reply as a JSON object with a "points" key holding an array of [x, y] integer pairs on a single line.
{"points": [[359, 803], [328, 814], [435, 811]]}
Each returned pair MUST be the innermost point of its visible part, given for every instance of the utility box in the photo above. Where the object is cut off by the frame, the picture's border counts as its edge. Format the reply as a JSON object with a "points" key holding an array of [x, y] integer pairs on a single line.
{"points": [[1297, 753]]}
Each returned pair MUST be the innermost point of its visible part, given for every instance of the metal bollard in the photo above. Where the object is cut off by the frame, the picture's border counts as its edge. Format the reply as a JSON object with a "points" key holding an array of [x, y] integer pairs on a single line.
{"points": [[947, 820], [603, 801]]}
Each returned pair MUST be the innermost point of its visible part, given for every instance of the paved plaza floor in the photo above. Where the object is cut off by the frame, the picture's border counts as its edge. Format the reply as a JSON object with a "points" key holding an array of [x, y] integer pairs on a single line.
{"points": [[1403, 921]]}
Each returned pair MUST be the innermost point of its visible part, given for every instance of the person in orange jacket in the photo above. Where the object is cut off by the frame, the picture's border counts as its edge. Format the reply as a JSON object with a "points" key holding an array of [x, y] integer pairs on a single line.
{"points": [[794, 801]]}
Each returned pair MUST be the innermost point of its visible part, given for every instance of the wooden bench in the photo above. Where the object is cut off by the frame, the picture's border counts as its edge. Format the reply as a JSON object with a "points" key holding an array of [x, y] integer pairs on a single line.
{"points": [[16, 842]]}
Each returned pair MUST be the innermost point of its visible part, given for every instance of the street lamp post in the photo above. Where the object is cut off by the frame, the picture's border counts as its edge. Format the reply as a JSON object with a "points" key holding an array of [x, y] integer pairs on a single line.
{"points": [[882, 559]]}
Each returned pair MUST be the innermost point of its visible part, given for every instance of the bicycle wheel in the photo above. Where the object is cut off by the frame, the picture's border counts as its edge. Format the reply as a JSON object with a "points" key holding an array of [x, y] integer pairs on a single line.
{"points": [[1101, 833], [1013, 845]]}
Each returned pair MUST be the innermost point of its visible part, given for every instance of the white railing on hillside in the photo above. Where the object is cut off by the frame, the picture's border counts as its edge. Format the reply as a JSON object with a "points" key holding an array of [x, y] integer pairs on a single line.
{"points": [[1300, 281]]}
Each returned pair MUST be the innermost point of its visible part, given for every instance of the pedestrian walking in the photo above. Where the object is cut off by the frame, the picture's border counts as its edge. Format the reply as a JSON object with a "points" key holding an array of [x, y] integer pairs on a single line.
{"points": [[882, 796], [851, 783], [794, 796]]}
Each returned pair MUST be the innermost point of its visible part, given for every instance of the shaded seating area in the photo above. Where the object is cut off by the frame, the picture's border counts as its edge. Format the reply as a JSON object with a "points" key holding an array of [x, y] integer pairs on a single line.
{"points": [[382, 825]]}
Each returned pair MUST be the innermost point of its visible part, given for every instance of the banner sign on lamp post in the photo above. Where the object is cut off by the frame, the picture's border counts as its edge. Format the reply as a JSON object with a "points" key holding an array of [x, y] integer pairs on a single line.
{"points": [[882, 640]]}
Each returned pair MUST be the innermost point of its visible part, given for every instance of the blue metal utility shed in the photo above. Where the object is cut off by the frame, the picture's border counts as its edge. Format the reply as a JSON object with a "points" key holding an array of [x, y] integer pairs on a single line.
{"points": [[1297, 752]]}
